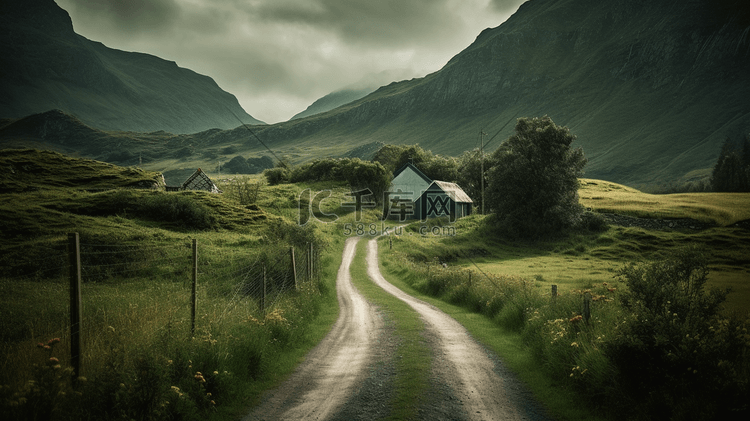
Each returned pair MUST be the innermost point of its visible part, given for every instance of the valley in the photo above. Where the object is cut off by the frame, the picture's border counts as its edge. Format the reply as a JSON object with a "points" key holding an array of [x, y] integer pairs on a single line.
{"points": [[198, 305], [136, 248]]}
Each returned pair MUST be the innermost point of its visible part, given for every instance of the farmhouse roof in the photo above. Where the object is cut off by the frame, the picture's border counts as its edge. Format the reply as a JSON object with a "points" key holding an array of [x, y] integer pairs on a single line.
{"points": [[414, 169], [456, 193], [200, 181]]}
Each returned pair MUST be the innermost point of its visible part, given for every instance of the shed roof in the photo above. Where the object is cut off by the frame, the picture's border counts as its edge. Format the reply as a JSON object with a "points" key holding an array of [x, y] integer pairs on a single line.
{"points": [[452, 190], [413, 168], [200, 181]]}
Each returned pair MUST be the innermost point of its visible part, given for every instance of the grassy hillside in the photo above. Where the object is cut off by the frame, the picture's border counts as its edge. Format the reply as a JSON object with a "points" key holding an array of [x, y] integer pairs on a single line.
{"points": [[585, 259], [137, 270], [136, 255], [722, 209], [659, 344]]}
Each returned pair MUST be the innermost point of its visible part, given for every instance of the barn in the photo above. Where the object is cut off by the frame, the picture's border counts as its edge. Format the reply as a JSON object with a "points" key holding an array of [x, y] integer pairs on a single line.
{"points": [[442, 198], [413, 195], [408, 183], [197, 181]]}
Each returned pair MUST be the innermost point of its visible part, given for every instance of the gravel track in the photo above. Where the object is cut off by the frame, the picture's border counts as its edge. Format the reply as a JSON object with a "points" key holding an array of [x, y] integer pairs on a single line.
{"points": [[350, 374], [333, 370], [484, 389]]}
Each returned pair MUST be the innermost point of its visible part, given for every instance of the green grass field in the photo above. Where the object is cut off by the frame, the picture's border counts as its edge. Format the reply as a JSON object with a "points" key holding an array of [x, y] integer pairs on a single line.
{"points": [[715, 208], [136, 281], [579, 260]]}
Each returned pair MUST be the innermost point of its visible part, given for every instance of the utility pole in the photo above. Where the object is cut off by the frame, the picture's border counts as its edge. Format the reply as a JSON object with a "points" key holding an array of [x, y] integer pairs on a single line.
{"points": [[481, 156]]}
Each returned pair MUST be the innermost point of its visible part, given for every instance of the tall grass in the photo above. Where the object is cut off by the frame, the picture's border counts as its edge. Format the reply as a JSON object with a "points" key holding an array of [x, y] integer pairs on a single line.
{"points": [[636, 360], [140, 360]]}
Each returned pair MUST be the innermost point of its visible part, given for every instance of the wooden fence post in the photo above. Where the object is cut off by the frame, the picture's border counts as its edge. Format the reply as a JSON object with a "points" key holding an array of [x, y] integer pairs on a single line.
{"points": [[194, 294], [586, 306], [74, 254], [294, 268], [554, 294]]}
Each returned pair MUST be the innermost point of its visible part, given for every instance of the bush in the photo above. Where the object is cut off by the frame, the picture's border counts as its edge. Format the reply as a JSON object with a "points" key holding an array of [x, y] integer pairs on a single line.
{"points": [[277, 175], [179, 209], [661, 350], [677, 357], [593, 222]]}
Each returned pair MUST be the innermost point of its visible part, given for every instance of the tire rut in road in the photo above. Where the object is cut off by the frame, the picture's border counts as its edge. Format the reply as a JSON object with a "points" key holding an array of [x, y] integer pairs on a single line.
{"points": [[336, 369], [481, 388]]}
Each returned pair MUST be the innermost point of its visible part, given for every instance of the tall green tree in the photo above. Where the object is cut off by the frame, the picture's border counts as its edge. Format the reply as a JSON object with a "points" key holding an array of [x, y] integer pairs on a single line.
{"points": [[533, 184]]}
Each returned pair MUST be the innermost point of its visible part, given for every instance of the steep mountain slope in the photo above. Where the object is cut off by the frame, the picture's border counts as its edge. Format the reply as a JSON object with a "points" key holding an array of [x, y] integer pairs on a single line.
{"points": [[333, 100], [353, 92], [45, 65], [651, 89]]}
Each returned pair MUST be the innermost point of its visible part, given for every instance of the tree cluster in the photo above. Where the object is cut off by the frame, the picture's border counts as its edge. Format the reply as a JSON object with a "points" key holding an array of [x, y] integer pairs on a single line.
{"points": [[358, 173], [436, 167], [732, 170], [240, 165]]}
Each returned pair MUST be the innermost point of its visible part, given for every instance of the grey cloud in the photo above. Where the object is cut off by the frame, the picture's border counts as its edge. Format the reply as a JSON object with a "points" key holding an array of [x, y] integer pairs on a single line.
{"points": [[278, 56], [130, 16], [506, 6], [367, 22]]}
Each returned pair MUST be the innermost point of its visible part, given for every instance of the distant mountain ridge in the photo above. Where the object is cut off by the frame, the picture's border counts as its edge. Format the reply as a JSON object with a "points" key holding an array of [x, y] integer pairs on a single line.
{"points": [[45, 65], [353, 92], [333, 100], [651, 89]]}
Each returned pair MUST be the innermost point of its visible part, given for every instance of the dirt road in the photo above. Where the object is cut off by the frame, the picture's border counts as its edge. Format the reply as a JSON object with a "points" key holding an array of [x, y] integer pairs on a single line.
{"points": [[333, 369], [349, 375], [486, 390]]}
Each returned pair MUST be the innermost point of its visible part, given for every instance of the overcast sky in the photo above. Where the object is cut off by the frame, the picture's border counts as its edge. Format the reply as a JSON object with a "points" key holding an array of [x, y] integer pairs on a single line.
{"points": [[278, 56]]}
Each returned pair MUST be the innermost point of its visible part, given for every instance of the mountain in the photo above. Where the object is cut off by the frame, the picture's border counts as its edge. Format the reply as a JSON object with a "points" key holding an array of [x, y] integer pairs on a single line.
{"points": [[360, 89], [650, 88], [333, 100], [45, 65]]}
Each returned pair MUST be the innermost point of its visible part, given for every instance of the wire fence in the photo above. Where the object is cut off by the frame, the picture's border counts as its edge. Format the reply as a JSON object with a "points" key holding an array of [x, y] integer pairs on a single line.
{"points": [[108, 282]]}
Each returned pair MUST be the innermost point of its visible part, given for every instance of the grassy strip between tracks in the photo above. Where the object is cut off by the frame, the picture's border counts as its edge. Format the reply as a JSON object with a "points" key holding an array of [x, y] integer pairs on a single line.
{"points": [[413, 356], [561, 403]]}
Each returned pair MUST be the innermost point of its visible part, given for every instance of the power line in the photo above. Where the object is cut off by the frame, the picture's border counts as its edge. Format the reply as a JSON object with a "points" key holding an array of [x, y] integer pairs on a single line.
{"points": [[501, 129], [256, 137]]}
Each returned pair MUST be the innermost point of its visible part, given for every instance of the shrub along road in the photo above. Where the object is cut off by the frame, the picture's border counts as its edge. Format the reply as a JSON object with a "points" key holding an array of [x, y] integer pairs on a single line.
{"points": [[344, 377]]}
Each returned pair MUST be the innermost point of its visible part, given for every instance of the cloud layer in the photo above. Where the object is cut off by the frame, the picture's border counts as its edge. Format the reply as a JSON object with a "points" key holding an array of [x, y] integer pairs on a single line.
{"points": [[278, 56]]}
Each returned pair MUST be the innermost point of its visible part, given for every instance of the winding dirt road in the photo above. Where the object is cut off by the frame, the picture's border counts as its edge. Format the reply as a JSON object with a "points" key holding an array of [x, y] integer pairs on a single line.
{"points": [[324, 382], [349, 375], [465, 366]]}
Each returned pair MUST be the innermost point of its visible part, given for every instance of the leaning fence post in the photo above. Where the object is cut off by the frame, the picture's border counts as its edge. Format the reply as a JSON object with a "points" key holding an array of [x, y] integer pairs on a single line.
{"points": [[74, 254], [194, 295], [586, 306], [294, 267]]}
